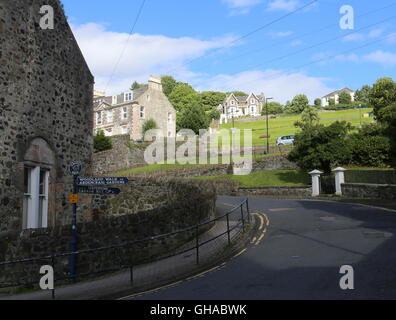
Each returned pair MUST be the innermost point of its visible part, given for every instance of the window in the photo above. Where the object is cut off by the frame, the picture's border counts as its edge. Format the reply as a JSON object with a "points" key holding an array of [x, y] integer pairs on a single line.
{"points": [[232, 102], [252, 101], [128, 96], [35, 202], [124, 112], [110, 116], [169, 117], [142, 112], [114, 100], [99, 117]]}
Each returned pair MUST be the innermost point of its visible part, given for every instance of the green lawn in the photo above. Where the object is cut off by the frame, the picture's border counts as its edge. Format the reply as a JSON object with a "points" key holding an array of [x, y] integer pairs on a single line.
{"points": [[267, 178], [285, 125]]}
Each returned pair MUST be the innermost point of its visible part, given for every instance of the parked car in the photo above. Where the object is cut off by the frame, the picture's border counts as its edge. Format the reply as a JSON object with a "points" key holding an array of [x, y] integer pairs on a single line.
{"points": [[285, 140]]}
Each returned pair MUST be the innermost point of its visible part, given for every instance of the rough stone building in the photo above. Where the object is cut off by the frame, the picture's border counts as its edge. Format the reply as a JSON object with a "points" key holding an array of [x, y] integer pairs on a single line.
{"points": [[126, 113], [45, 115]]}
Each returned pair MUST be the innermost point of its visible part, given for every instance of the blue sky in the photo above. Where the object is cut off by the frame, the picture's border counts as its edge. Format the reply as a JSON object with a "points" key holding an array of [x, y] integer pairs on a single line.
{"points": [[199, 42]]}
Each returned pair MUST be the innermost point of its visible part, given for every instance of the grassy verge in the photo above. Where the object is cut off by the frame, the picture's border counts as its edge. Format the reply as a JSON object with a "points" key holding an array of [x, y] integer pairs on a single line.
{"points": [[267, 178]]}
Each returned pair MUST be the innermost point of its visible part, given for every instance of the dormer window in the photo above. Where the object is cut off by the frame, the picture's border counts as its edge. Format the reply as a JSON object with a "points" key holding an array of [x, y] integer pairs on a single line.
{"points": [[114, 100], [128, 96], [99, 117]]}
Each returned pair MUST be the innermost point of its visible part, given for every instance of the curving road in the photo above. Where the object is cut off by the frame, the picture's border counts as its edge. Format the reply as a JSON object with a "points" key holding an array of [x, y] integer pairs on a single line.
{"points": [[305, 244]]}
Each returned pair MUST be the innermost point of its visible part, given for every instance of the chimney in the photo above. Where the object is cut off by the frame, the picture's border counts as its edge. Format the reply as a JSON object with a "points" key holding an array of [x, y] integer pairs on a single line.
{"points": [[155, 83]]}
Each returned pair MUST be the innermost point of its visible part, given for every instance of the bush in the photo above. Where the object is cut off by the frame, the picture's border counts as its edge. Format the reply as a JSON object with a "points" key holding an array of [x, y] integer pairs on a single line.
{"points": [[149, 124], [101, 142], [370, 147], [320, 147]]}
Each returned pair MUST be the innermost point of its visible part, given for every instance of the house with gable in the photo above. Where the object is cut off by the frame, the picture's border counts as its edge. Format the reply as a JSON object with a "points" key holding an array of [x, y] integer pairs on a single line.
{"points": [[336, 96], [126, 112], [239, 106]]}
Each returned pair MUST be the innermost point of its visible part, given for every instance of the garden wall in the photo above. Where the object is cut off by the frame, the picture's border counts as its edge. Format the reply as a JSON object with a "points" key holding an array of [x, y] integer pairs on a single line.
{"points": [[372, 191], [132, 215]]}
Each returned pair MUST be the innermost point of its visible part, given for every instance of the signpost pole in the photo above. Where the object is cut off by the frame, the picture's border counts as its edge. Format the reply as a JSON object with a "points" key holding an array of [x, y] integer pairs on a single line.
{"points": [[73, 241]]}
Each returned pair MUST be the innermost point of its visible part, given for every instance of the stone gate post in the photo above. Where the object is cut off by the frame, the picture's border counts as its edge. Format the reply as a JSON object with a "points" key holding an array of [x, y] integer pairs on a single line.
{"points": [[315, 182], [339, 179]]}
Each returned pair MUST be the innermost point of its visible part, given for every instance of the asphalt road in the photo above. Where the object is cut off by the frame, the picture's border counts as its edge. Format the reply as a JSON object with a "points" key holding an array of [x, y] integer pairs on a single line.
{"points": [[305, 244]]}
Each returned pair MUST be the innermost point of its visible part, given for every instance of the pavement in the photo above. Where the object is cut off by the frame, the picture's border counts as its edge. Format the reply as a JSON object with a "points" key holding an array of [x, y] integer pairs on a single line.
{"points": [[156, 273], [303, 245]]}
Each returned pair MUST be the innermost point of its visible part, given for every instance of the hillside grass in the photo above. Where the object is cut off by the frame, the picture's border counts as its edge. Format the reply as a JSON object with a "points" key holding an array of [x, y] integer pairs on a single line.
{"points": [[284, 125]]}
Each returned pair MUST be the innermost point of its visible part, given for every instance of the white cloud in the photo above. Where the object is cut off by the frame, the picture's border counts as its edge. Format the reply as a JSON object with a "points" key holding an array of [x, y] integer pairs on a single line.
{"points": [[283, 5], [387, 59], [144, 55], [241, 3], [354, 37], [296, 43], [273, 83], [281, 34]]}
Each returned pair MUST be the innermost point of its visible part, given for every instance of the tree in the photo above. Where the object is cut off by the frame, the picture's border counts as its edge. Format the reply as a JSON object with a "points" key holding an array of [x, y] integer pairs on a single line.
{"points": [[363, 95], [331, 102], [193, 118], [149, 125], [101, 142], [136, 85], [318, 102], [273, 108], [168, 84], [321, 147], [344, 98], [183, 96], [238, 93], [382, 96], [309, 117], [212, 99], [298, 104]]}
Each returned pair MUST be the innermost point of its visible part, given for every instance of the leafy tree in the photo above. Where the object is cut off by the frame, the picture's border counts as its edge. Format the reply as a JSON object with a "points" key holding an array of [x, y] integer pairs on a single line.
{"points": [[137, 85], [149, 125], [183, 96], [212, 99], [238, 93], [101, 142], [193, 118], [309, 117], [321, 147], [168, 84], [363, 95], [214, 114], [298, 104], [370, 146], [344, 98], [382, 96], [318, 102], [273, 108]]}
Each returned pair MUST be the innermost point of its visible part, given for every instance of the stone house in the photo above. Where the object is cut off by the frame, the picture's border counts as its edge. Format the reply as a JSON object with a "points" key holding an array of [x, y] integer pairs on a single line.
{"points": [[45, 116], [239, 106], [127, 112], [336, 96]]}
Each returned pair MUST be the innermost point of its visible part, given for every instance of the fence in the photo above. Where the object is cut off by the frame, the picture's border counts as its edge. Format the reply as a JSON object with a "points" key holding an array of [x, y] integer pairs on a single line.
{"points": [[208, 239]]}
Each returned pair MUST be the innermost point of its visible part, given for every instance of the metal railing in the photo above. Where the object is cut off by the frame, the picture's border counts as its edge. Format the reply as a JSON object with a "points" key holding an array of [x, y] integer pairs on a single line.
{"points": [[234, 222]]}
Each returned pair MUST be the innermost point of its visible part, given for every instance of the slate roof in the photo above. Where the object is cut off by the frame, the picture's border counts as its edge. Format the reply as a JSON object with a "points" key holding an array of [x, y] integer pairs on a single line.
{"points": [[337, 91]]}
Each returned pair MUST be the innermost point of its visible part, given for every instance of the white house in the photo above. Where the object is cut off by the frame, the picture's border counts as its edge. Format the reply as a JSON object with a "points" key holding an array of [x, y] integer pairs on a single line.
{"points": [[336, 96]]}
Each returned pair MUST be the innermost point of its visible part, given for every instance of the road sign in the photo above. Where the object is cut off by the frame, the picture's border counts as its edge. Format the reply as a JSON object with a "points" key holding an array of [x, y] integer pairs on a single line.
{"points": [[98, 190], [73, 198], [75, 168], [101, 181]]}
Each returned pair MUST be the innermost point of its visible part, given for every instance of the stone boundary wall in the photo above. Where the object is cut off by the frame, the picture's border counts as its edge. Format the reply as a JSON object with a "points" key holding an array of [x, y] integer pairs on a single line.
{"points": [[373, 191], [185, 204]]}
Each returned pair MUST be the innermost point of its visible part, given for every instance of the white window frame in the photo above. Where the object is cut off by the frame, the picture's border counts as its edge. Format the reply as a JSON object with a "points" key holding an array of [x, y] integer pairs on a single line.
{"points": [[124, 113], [170, 118], [99, 117], [36, 216], [114, 100], [142, 112], [110, 116], [128, 96]]}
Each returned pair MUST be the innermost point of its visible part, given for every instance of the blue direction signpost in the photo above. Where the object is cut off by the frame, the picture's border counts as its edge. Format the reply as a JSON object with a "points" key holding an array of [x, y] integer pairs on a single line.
{"points": [[90, 185], [98, 190]]}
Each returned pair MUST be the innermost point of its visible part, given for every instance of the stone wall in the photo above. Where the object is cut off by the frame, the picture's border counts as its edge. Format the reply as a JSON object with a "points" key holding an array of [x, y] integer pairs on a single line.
{"points": [[167, 206], [45, 104], [373, 191], [287, 191], [124, 155]]}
